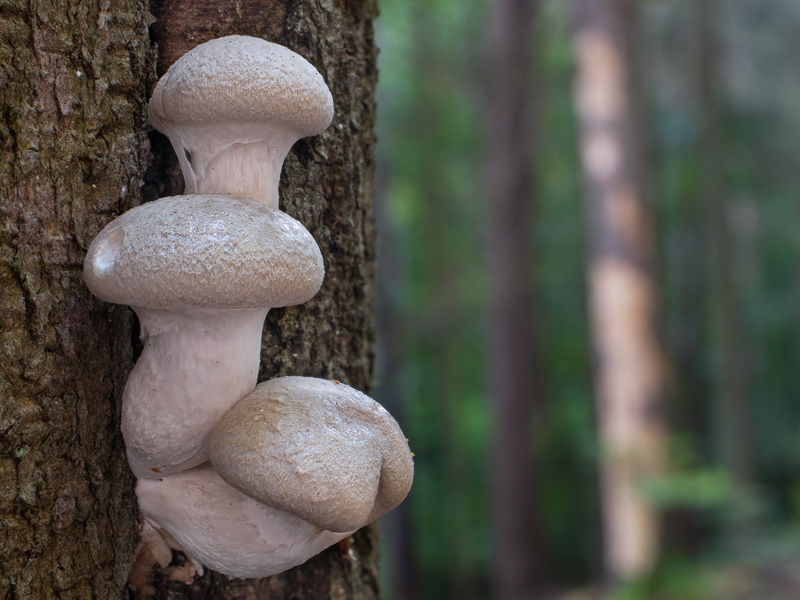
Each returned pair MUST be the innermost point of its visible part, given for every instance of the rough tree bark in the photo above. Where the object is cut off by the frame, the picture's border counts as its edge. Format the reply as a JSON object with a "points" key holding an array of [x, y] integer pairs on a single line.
{"points": [[630, 363], [76, 77]]}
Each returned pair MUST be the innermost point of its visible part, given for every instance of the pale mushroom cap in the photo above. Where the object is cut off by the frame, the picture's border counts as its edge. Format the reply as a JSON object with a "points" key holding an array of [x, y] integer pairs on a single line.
{"points": [[246, 79], [204, 251], [317, 449]]}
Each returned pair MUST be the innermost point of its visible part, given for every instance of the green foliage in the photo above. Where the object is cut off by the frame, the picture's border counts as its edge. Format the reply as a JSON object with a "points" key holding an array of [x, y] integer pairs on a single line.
{"points": [[431, 90], [675, 579], [430, 140], [701, 489]]}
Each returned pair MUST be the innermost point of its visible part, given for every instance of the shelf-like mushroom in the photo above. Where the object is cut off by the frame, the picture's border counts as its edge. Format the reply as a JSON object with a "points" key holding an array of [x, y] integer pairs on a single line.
{"points": [[201, 272], [317, 449], [302, 462], [298, 464], [233, 108]]}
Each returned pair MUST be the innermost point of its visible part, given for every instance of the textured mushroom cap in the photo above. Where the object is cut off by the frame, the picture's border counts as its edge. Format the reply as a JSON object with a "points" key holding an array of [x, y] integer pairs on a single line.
{"points": [[204, 251], [240, 78], [317, 449]]}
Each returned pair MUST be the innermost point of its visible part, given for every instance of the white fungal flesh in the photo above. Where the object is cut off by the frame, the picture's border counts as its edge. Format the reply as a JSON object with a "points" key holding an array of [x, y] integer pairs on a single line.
{"points": [[241, 159], [195, 366], [108, 251], [226, 530]]}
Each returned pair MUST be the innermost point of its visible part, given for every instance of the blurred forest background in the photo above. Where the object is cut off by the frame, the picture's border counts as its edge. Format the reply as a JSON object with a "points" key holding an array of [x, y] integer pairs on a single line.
{"points": [[589, 297]]}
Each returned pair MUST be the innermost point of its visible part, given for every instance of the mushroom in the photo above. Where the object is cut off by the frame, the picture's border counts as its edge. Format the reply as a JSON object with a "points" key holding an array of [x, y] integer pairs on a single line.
{"points": [[249, 484], [298, 464], [317, 449], [232, 108], [200, 272], [226, 530]]}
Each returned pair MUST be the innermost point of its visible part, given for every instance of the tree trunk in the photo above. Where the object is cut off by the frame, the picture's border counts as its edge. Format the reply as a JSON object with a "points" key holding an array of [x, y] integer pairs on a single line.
{"points": [[730, 370], [401, 574], [76, 80], [516, 380], [630, 366]]}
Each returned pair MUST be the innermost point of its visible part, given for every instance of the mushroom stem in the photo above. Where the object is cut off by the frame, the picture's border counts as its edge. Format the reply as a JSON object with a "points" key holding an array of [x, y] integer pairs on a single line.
{"points": [[226, 530], [241, 159], [195, 366]]}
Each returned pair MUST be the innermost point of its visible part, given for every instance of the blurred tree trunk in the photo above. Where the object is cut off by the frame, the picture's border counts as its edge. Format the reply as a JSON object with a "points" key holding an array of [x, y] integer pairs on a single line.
{"points": [[630, 366], [401, 569], [76, 79], [727, 334], [436, 332], [516, 382]]}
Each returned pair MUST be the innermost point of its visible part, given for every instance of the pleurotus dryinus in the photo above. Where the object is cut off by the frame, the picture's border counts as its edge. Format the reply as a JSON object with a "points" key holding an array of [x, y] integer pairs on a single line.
{"points": [[201, 272], [232, 108], [299, 463]]}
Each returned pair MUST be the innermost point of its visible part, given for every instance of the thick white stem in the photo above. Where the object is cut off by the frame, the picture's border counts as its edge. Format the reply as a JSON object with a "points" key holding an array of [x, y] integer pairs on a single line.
{"points": [[226, 530], [245, 170], [240, 159], [195, 366]]}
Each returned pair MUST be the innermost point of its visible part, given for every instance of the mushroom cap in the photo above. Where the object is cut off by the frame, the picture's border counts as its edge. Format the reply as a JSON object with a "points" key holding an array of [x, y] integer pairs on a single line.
{"points": [[204, 251], [245, 79], [317, 449]]}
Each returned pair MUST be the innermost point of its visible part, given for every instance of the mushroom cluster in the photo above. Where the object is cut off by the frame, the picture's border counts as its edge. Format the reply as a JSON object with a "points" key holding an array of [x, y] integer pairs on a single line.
{"points": [[249, 480]]}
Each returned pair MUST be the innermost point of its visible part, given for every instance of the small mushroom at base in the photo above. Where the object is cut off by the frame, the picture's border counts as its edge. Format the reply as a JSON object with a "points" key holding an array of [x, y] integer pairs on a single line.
{"points": [[201, 272], [317, 449], [154, 552]]}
